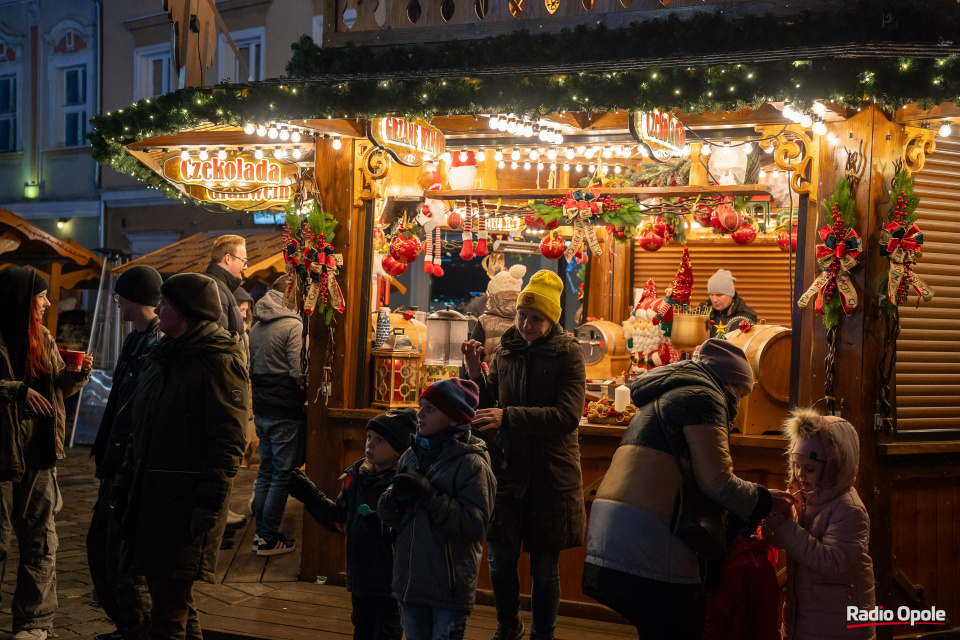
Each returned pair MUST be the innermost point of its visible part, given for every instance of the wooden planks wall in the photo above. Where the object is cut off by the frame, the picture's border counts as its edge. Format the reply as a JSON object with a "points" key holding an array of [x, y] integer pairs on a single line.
{"points": [[761, 269], [928, 350]]}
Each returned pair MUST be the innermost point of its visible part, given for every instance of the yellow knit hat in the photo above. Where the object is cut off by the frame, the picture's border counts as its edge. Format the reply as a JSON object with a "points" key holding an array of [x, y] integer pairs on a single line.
{"points": [[543, 294]]}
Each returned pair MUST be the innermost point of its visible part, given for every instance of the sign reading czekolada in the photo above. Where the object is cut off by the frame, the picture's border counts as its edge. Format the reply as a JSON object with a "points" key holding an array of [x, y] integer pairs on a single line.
{"points": [[240, 181], [411, 143], [658, 129]]}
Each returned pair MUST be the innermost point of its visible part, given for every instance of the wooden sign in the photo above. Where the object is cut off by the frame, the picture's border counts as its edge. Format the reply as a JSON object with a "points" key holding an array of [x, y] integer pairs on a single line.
{"points": [[410, 143], [661, 131], [240, 181]]}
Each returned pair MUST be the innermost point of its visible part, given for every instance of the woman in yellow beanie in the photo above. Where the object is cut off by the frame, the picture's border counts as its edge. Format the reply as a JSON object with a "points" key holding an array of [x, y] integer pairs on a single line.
{"points": [[532, 399]]}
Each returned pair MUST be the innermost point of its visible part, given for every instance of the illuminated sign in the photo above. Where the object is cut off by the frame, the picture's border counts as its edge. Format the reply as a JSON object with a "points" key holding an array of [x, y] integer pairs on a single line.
{"points": [[659, 130], [410, 143], [239, 182]]}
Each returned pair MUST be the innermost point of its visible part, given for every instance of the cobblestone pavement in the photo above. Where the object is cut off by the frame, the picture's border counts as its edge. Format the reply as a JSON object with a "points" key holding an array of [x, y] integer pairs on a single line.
{"points": [[79, 614]]}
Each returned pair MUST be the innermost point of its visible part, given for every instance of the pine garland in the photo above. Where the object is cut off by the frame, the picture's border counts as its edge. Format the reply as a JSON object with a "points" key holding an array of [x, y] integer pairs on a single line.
{"points": [[903, 213]]}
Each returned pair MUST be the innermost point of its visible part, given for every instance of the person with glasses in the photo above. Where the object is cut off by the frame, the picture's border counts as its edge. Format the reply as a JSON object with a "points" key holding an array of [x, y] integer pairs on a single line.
{"points": [[125, 598]]}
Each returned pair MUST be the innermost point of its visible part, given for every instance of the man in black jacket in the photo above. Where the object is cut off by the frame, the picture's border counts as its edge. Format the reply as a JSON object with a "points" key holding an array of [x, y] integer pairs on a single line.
{"points": [[124, 598], [728, 308]]}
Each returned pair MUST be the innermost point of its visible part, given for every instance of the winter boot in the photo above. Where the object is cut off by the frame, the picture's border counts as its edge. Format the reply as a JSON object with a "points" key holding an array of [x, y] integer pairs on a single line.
{"points": [[509, 630]]}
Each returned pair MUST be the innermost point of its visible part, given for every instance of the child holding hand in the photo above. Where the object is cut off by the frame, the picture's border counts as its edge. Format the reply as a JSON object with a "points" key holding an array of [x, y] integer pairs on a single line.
{"points": [[376, 614], [828, 566], [440, 503]]}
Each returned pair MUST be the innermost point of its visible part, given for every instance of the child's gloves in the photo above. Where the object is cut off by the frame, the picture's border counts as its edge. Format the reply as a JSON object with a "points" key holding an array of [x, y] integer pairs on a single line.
{"points": [[411, 487], [301, 488]]}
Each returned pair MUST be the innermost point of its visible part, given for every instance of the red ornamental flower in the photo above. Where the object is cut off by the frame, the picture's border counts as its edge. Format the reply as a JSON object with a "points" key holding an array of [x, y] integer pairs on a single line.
{"points": [[651, 241], [745, 326], [393, 267], [403, 249], [745, 234]]}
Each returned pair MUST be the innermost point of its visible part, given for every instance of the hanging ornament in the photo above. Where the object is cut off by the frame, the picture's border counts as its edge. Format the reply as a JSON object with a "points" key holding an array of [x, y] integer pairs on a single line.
{"points": [[455, 221], [788, 242], [726, 219], [651, 241], [466, 252], [393, 267], [703, 214], [902, 242], [552, 246], [405, 248], [481, 229], [744, 326], [663, 228], [380, 244], [578, 207], [746, 234]]}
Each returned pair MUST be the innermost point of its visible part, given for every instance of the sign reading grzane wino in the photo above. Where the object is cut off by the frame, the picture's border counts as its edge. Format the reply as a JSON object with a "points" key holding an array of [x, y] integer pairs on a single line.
{"points": [[410, 143], [240, 182]]}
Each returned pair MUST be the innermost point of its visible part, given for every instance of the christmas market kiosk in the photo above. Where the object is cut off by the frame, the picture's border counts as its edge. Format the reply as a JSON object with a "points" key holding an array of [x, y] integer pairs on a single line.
{"points": [[823, 173]]}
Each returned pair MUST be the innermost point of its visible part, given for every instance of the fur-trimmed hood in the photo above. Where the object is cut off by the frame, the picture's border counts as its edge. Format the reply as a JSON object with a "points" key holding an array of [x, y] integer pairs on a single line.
{"points": [[842, 446]]}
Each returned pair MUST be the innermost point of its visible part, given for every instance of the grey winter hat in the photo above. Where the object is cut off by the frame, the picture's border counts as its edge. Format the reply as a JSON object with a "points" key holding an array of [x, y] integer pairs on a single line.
{"points": [[729, 362], [722, 282], [140, 285], [194, 296]]}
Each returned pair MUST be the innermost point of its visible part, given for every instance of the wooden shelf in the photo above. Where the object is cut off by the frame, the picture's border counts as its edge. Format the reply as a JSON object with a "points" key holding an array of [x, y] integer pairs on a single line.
{"points": [[649, 192]]}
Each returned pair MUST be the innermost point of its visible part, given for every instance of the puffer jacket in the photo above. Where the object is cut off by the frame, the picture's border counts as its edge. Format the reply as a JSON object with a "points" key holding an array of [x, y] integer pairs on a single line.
{"points": [[275, 342], [189, 414], [63, 384], [732, 315], [682, 406], [541, 387], [110, 445], [369, 540], [828, 562], [439, 542]]}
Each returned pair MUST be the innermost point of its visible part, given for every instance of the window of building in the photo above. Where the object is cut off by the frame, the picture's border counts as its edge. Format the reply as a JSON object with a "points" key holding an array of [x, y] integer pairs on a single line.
{"points": [[73, 81], [8, 113], [250, 46], [153, 72]]}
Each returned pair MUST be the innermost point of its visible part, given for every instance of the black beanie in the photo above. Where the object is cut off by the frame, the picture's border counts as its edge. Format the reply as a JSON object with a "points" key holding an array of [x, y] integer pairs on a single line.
{"points": [[140, 284], [396, 427], [242, 296], [194, 296]]}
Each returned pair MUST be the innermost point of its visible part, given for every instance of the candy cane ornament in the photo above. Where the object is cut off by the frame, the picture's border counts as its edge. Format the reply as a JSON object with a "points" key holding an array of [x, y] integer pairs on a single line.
{"points": [[466, 253], [482, 229], [437, 246]]}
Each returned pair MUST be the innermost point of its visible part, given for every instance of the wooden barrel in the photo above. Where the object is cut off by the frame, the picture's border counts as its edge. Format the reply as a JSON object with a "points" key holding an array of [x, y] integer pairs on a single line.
{"points": [[768, 350]]}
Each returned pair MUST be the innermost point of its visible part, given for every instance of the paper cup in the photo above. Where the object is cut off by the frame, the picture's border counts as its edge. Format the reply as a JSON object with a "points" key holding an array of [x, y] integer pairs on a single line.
{"points": [[73, 359]]}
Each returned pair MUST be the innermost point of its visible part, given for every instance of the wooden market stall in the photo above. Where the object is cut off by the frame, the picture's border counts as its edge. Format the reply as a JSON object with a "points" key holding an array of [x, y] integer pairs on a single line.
{"points": [[64, 263], [334, 146]]}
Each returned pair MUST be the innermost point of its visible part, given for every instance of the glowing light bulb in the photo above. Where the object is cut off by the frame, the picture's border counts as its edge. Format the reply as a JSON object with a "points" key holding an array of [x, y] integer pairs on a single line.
{"points": [[284, 134], [580, 150], [336, 142], [553, 166], [748, 148], [515, 154], [819, 128], [513, 165], [558, 139], [295, 136], [463, 156], [763, 173], [685, 152], [500, 164], [552, 154], [528, 129], [589, 153], [249, 128], [481, 155], [261, 130], [819, 109], [592, 168], [776, 173], [787, 111], [297, 153], [570, 153], [498, 155], [806, 121], [493, 122], [222, 154], [534, 154], [579, 167], [646, 154], [258, 154], [607, 152], [705, 151], [446, 157], [603, 169], [511, 125], [272, 133], [539, 166], [616, 169], [184, 154], [770, 148], [203, 155], [503, 124], [945, 130], [566, 166]]}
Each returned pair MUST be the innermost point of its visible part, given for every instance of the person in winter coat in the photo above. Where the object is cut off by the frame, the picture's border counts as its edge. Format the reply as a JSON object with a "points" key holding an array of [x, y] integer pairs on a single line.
{"points": [[278, 408], [124, 598], [33, 383], [440, 503], [728, 307], [228, 259], [743, 605], [635, 565], [827, 545], [376, 614], [500, 312], [533, 399], [189, 412]]}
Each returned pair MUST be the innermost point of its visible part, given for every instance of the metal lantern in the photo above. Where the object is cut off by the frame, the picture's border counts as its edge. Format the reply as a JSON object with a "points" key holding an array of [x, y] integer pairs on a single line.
{"points": [[396, 373], [446, 332]]}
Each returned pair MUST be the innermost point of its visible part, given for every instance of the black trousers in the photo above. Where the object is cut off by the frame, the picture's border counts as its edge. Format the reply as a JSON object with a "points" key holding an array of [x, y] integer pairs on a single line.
{"points": [[376, 618], [125, 598], [174, 616], [659, 610]]}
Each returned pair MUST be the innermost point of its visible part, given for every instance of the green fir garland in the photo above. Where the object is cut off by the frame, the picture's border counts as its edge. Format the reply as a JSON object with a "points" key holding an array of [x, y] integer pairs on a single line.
{"points": [[903, 209]]}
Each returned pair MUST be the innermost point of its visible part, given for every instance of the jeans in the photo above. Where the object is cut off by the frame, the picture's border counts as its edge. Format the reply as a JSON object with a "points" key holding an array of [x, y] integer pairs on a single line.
{"points": [[544, 594], [423, 622], [281, 451], [124, 598], [27, 508], [376, 618], [174, 615]]}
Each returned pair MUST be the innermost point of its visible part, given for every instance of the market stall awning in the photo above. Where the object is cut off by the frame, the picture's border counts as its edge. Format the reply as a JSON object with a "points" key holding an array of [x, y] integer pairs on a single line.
{"points": [[264, 254]]}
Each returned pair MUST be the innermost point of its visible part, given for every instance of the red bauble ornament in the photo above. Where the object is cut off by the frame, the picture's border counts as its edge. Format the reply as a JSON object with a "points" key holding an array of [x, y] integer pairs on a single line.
{"points": [[702, 215], [405, 249], [455, 221], [651, 241], [725, 219], [744, 326], [552, 246], [393, 267], [746, 234], [663, 228], [582, 257], [785, 243]]}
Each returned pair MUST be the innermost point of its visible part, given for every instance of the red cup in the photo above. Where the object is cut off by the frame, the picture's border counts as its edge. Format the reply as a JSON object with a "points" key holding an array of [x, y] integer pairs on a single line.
{"points": [[73, 359]]}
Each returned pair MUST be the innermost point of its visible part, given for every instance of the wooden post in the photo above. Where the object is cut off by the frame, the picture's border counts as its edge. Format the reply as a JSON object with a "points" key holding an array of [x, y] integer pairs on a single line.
{"points": [[53, 314], [609, 283]]}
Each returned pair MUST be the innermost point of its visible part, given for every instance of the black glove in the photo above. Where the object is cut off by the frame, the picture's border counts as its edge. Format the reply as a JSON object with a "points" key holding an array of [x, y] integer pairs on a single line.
{"points": [[119, 496], [301, 488], [411, 487], [201, 521]]}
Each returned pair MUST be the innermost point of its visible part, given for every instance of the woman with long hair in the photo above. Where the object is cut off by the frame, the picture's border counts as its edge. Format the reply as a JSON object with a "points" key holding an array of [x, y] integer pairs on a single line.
{"points": [[33, 383]]}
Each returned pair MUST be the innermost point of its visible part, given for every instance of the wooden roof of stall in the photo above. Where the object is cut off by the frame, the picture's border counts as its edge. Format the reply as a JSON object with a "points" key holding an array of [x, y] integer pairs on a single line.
{"points": [[27, 245], [192, 254]]}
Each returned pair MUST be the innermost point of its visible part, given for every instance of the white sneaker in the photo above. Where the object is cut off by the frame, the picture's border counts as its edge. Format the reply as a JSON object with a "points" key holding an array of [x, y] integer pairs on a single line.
{"points": [[281, 544], [256, 542], [30, 634]]}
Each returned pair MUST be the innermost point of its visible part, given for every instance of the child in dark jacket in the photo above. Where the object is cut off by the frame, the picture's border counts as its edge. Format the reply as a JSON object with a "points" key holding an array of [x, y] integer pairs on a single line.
{"points": [[376, 615], [440, 503]]}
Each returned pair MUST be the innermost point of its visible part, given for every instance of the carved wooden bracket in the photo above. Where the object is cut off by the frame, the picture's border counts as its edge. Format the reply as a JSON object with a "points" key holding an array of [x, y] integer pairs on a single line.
{"points": [[919, 142], [374, 165], [794, 153]]}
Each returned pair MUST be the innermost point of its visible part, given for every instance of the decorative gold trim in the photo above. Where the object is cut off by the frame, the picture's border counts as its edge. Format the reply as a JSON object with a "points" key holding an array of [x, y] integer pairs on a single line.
{"points": [[374, 165], [919, 142], [794, 153]]}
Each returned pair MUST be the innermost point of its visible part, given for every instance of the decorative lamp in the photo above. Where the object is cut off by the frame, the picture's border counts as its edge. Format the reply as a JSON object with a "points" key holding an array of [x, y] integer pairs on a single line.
{"points": [[446, 332], [396, 373]]}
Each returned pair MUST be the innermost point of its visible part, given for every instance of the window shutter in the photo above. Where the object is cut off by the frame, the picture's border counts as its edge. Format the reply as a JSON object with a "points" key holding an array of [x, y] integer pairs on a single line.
{"points": [[928, 350]]}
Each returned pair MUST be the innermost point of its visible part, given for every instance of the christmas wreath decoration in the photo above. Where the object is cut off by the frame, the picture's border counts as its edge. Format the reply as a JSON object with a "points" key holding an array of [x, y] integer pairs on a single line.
{"points": [[902, 242], [836, 257], [310, 261]]}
